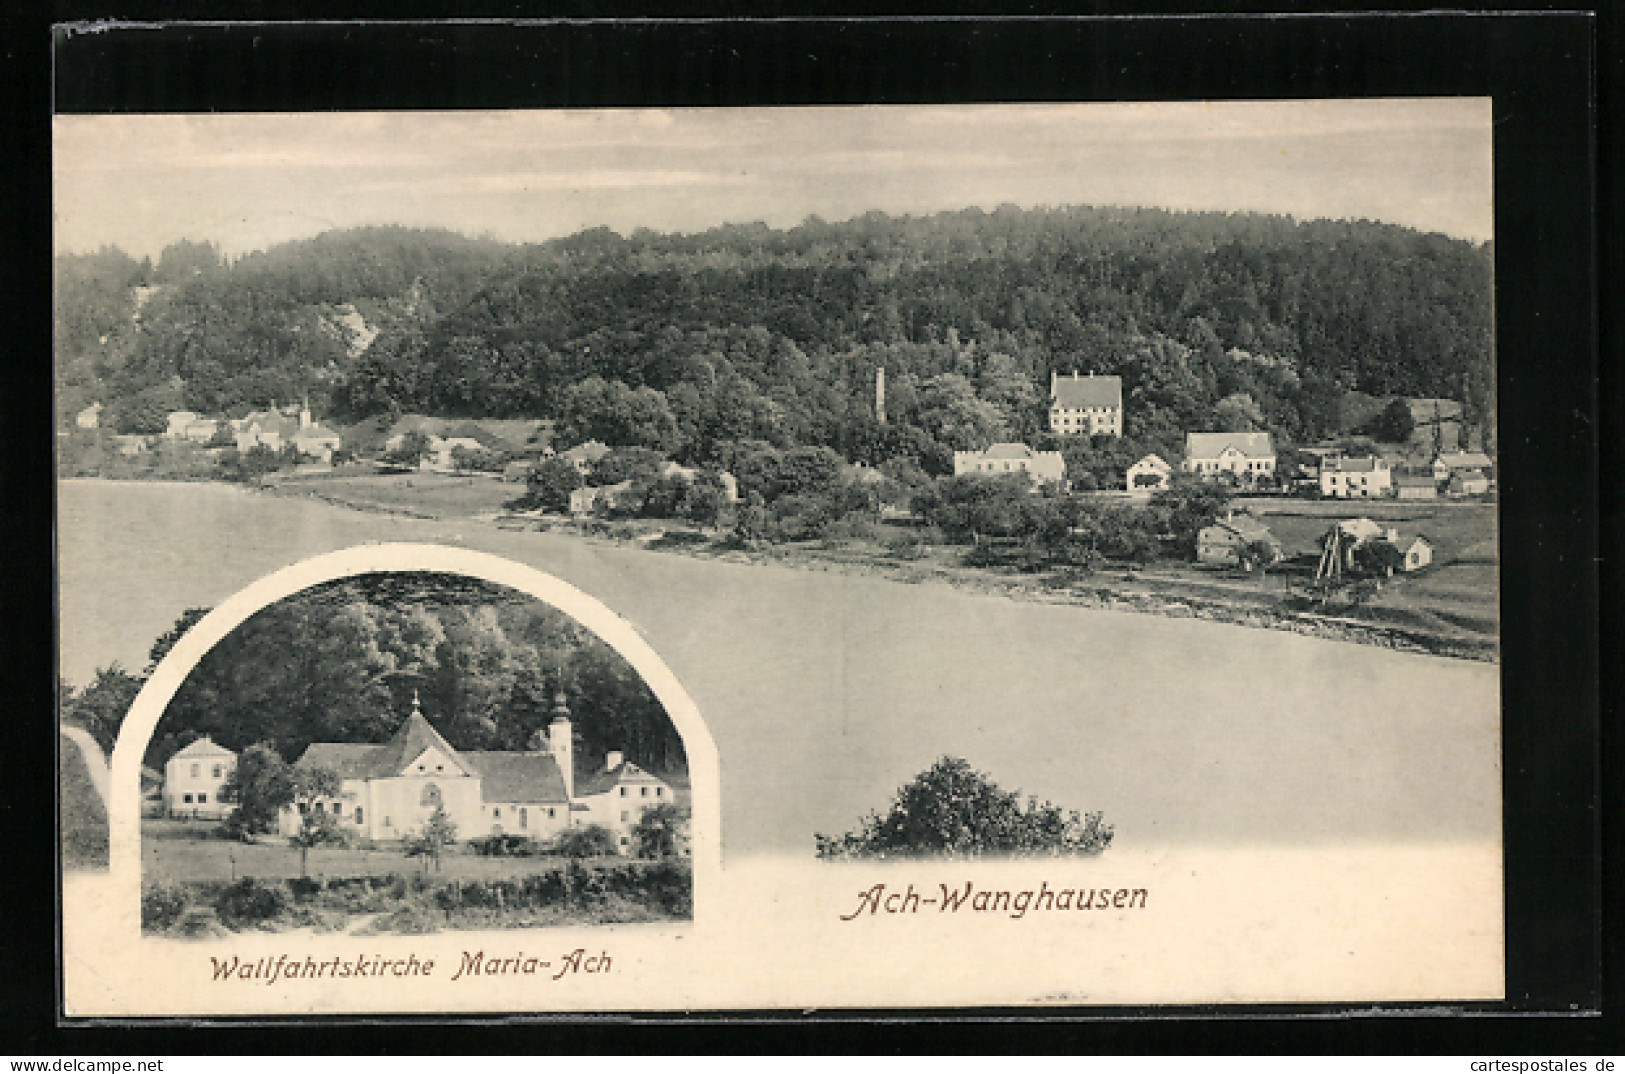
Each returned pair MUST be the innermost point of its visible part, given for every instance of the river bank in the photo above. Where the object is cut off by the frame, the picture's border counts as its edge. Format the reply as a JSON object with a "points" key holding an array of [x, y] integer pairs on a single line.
{"points": [[1432, 624]]}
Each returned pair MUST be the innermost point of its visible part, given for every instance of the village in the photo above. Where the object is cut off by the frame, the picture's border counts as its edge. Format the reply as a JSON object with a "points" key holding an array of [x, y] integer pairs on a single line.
{"points": [[1318, 530]]}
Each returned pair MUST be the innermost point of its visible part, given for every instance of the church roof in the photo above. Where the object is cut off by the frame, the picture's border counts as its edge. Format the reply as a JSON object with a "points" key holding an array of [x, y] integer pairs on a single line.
{"points": [[414, 736], [517, 777], [1078, 392]]}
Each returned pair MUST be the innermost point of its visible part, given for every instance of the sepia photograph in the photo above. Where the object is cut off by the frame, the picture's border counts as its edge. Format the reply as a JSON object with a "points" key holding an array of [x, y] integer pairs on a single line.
{"points": [[1076, 525]]}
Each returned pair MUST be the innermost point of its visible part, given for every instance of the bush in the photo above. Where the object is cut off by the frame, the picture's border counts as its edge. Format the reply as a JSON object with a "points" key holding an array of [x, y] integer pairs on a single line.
{"points": [[952, 810], [594, 840], [250, 901], [504, 845], [162, 904]]}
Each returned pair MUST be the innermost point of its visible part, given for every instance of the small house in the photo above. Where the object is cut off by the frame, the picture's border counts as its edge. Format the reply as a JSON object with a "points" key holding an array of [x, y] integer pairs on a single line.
{"points": [[1150, 474], [1415, 487], [1418, 553], [1452, 462], [193, 778], [1468, 483], [586, 455], [1362, 478], [90, 417]]}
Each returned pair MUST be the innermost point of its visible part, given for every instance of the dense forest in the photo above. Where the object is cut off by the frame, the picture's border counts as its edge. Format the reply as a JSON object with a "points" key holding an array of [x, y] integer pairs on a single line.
{"points": [[341, 662], [694, 344]]}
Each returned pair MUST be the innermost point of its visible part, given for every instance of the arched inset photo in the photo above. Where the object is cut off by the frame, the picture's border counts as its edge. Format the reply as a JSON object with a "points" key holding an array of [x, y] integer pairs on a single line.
{"points": [[406, 752]]}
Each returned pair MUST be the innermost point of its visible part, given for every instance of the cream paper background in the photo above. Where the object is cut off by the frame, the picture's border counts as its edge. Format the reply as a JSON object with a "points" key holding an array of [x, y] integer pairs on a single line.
{"points": [[1356, 921]]}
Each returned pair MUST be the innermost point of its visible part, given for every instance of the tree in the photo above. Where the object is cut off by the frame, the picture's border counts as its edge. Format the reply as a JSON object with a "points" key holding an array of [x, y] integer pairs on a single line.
{"points": [[316, 828], [259, 786], [414, 447], [662, 831], [1238, 413], [549, 486], [1186, 508], [101, 707], [1257, 554], [1377, 559], [166, 641], [952, 810], [437, 833], [1395, 424]]}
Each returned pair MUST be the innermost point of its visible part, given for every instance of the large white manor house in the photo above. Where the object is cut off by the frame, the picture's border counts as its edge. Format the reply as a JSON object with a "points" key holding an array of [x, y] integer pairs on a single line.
{"points": [[388, 790]]}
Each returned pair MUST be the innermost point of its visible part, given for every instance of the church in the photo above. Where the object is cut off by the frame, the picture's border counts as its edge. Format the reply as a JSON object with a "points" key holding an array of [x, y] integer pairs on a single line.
{"points": [[388, 790]]}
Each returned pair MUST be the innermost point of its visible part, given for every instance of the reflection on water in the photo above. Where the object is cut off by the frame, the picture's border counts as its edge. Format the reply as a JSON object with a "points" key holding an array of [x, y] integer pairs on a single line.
{"points": [[825, 692]]}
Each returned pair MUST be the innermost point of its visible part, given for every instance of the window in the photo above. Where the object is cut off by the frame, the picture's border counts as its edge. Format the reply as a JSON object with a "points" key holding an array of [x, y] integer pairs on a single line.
{"points": [[202, 798], [524, 817], [195, 769], [660, 792], [496, 811], [187, 798], [338, 808], [625, 816], [624, 840], [643, 792], [623, 792], [215, 772], [430, 797], [358, 814], [387, 824], [551, 812], [439, 768]]}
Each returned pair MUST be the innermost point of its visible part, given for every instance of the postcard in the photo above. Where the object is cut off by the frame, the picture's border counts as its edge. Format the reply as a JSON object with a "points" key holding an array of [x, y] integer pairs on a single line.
{"points": [[553, 562]]}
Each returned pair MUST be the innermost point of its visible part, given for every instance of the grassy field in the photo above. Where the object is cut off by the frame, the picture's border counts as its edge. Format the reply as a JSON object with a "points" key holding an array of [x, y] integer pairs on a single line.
{"points": [[189, 850], [420, 494]]}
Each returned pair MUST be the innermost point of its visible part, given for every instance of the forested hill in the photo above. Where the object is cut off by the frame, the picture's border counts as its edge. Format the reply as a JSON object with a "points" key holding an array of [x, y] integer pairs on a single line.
{"points": [[746, 332]]}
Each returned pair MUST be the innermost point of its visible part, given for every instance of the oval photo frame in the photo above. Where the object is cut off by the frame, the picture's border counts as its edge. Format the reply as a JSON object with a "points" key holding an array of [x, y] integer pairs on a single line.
{"points": [[124, 813]]}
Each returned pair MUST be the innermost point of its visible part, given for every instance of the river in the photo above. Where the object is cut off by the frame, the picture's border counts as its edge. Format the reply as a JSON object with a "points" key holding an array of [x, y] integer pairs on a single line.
{"points": [[827, 691]]}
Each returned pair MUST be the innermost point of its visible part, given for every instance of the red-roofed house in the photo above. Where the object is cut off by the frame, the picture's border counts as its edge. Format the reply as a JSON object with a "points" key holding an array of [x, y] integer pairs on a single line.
{"points": [[387, 790]]}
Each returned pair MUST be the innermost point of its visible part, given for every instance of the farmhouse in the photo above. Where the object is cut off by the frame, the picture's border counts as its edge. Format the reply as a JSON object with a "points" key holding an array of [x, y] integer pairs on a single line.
{"points": [[90, 417], [1452, 462], [1245, 456], [193, 778], [272, 429], [1416, 487], [584, 455], [1468, 483], [1039, 466], [1149, 474], [388, 790], [1225, 543], [1345, 478], [1085, 406]]}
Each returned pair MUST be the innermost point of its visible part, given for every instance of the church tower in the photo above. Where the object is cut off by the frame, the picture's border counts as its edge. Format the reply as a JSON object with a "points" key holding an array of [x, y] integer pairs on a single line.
{"points": [[561, 744]]}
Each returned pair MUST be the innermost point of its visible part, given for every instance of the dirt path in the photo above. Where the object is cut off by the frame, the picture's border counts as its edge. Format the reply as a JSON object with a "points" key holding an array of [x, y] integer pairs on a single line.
{"points": [[95, 760]]}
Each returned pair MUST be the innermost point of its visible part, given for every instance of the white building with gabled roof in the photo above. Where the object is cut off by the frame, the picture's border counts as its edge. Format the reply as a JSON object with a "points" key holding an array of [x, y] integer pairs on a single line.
{"points": [[193, 778], [388, 790], [1042, 467], [1085, 405], [1245, 456]]}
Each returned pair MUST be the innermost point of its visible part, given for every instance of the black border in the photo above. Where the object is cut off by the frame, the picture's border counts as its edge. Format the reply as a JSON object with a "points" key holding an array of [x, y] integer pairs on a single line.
{"points": [[1539, 69]]}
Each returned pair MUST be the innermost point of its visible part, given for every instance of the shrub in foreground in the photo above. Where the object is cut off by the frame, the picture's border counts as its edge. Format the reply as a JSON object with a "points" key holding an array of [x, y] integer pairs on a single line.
{"points": [[952, 810]]}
